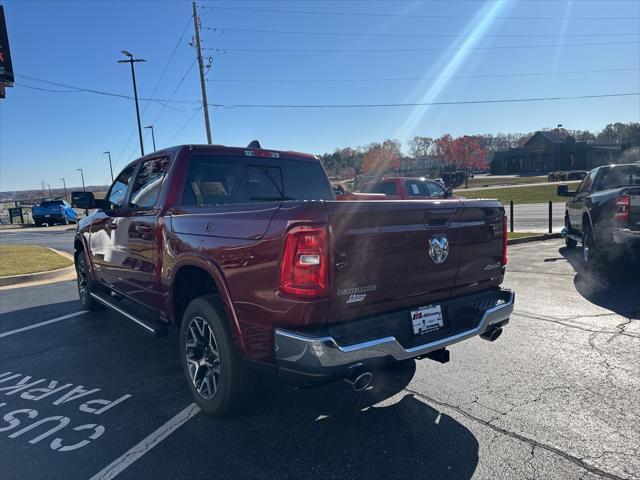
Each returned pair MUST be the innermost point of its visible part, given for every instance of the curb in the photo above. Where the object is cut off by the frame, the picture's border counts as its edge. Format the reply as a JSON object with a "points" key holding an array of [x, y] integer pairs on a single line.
{"points": [[534, 238], [40, 276]]}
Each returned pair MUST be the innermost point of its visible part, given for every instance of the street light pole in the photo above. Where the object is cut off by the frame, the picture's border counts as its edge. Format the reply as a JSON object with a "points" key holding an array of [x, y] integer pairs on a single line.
{"points": [[64, 185], [50, 196], [558, 153], [82, 176], [132, 60], [110, 167], [153, 137]]}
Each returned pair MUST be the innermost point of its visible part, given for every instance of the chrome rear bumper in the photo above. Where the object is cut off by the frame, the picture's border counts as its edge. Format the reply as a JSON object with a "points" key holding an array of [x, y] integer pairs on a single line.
{"points": [[626, 236], [322, 355]]}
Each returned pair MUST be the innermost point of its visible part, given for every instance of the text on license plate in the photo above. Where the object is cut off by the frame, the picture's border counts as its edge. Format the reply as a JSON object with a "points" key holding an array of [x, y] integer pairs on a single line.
{"points": [[426, 319]]}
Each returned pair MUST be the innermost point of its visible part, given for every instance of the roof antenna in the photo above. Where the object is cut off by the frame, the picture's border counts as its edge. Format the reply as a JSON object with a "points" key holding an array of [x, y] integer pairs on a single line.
{"points": [[254, 144]]}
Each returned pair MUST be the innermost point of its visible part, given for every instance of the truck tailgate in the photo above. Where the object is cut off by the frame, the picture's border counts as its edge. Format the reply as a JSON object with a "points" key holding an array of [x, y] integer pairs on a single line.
{"points": [[381, 257]]}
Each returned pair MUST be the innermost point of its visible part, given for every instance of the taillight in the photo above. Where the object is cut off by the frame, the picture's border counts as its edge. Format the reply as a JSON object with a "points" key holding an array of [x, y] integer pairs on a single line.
{"points": [[504, 240], [304, 269], [623, 207]]}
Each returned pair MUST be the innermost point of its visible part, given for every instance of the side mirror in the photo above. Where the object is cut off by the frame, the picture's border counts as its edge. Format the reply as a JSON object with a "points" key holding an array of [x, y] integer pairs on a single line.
{"points": [[563, 191], [84, 200], [87, 201], [448, 192]]}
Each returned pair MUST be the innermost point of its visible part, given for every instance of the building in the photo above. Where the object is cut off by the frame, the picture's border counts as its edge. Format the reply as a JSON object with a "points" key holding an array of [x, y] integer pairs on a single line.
{"points": [[549, 151], [428, 166]]}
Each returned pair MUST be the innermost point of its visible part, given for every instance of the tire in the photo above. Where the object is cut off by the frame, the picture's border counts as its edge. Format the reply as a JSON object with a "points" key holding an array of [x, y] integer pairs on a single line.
{"points": [[569, 242], [216, 374], [85, 284], [589, 250]]}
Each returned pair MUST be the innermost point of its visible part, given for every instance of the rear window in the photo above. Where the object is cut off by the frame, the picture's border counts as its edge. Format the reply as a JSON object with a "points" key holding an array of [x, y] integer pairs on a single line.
{"points": [[617, 177], [53, 203], [216, 180]]}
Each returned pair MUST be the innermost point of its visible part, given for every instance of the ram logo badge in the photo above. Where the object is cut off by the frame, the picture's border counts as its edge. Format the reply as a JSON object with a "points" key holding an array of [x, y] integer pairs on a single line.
{"points": [[439, 248]]}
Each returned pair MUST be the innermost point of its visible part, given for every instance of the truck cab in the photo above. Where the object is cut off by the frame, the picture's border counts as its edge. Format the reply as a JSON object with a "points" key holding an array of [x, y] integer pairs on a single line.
{"points": [[603, 213]]}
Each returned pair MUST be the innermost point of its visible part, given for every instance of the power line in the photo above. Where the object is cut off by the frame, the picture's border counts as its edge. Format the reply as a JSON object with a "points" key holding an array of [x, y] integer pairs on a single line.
{"points": [[174, 91], [160, 101], [189, 120], [440, 16], [399, 50], [425, 104], [394, 79], [401, 35]]}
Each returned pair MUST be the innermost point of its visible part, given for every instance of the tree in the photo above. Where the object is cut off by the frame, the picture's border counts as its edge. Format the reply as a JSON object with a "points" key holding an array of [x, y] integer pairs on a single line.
{"points": [[420, 146], [462, 153], [381, 158]]}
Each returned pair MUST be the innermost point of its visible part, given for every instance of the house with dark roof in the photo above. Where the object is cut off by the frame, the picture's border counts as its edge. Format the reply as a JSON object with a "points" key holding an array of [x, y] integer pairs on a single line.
{"points": [[549, 151]]}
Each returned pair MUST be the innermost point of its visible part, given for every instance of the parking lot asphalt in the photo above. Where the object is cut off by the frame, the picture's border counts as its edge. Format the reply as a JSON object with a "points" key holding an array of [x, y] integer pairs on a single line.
{"points": [[58, 237], [555, 397]]}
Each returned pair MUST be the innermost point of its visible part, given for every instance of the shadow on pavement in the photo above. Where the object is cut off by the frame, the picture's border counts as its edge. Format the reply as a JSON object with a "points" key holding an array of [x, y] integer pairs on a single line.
{"points": [[325, 432], [614, 285]]}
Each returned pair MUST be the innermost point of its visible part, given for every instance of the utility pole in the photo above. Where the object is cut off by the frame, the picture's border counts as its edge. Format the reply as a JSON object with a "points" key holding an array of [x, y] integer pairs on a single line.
{"points": [[50, 196], [153, 137], [132, 60], [64, 185], [82, 176], [205, 107], [110, 166]]}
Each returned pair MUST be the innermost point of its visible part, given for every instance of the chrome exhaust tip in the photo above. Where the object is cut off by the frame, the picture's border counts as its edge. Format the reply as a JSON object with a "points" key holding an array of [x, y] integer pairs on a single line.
{"points": [[492, 335], [360, 382]]}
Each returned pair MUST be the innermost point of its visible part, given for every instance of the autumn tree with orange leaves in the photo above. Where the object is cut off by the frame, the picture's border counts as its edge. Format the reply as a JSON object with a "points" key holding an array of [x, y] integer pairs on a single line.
{"points": [[380, 158], [462, 153]]}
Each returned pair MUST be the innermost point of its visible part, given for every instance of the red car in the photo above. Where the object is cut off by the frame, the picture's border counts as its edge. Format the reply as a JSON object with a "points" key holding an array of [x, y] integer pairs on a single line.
{"points": [[247, 252], [407, 188]]}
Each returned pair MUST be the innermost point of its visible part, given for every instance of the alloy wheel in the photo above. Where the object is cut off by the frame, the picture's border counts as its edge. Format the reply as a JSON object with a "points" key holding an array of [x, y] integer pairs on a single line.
{"points": [[586, 244], [203, 359], [82, 280]]}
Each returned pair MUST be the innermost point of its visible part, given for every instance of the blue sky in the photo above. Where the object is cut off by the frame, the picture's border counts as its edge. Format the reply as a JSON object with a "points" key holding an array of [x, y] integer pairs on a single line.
{"points": [[47, 135]]}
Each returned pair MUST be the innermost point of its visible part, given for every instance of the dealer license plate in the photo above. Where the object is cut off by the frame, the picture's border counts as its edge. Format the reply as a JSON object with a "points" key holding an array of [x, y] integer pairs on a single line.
{"points": [[426, 319]]}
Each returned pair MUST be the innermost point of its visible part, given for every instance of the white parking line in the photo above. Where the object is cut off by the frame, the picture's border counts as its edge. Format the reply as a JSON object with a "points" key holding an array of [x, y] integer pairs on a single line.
{"points": [[41, 324], [138, 450]]}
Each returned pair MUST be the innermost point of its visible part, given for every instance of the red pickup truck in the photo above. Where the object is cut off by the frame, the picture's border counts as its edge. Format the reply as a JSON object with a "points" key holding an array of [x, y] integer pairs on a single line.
{"points": [[400, 188], [247, 251]]}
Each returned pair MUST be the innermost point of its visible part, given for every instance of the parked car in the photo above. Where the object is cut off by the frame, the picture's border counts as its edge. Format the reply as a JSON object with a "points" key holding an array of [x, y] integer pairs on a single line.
{"points": [[247, 251], [604, 213], [52, 212], [406, 188]]}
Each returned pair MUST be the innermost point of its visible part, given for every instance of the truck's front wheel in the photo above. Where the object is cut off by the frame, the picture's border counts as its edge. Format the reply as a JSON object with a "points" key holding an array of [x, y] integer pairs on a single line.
{"points": [[218, 377], [85, 284]]}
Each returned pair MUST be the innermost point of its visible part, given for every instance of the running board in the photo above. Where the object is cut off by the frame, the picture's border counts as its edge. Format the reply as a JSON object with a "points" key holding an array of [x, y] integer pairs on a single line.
{"points": [[572, 236], [148, 326]]}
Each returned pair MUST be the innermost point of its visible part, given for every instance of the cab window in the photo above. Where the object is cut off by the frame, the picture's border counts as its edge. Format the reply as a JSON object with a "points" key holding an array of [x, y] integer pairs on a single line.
{"points": [[118, 191], [388, 188], [148, 183], [586, 184]]}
